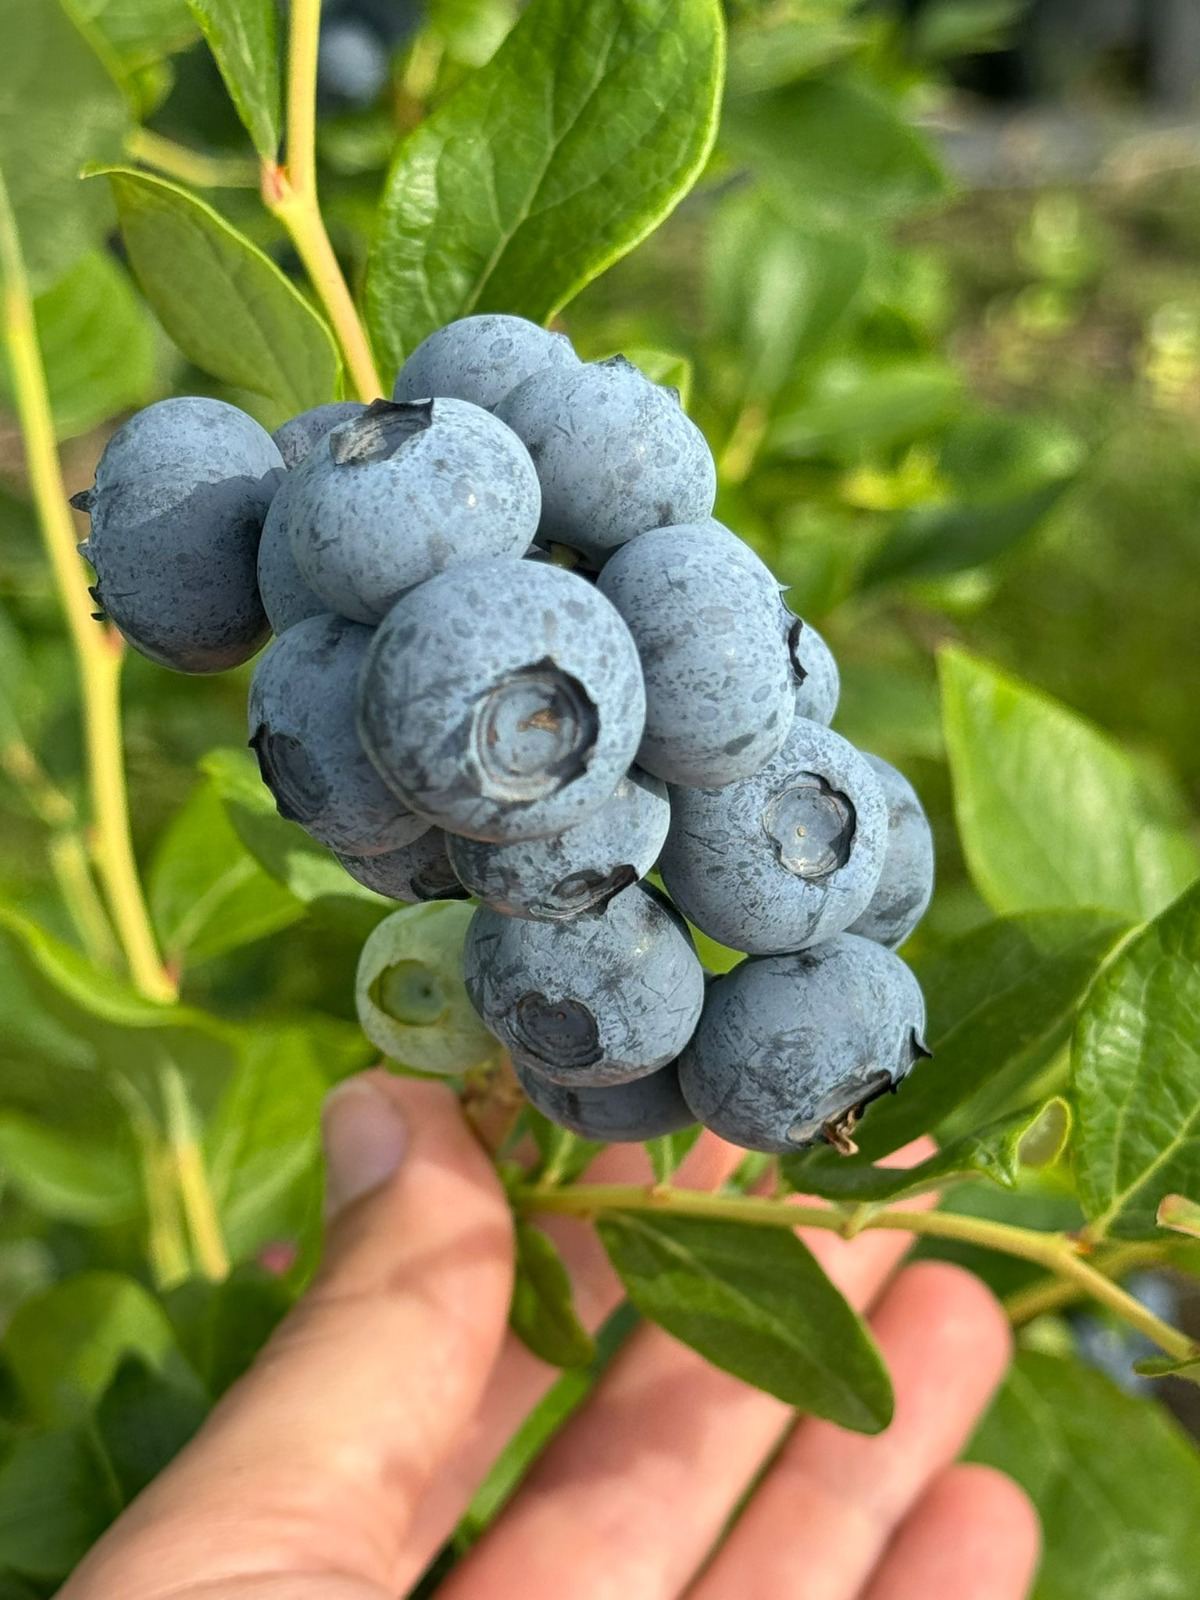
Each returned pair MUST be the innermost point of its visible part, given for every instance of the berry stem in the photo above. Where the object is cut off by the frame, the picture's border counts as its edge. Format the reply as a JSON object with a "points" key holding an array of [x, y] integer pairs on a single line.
{"points": [[1057, 1252], [98, 651], [290, 193]]}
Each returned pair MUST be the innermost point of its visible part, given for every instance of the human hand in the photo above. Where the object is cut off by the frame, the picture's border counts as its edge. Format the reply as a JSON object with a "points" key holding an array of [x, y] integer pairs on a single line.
{"points": [[337, 1467]]}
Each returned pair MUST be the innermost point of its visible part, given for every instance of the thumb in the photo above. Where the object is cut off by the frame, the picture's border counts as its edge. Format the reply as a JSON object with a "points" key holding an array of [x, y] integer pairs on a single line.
{"points": [[318, 1457]]}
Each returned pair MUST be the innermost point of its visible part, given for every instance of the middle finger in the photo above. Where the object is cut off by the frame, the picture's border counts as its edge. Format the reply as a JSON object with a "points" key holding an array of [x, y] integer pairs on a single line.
{"points": [[629, 1498]]}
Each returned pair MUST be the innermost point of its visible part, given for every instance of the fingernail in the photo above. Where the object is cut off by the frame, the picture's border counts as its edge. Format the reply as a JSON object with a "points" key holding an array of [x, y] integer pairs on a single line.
{"points": [[365, 1138]]}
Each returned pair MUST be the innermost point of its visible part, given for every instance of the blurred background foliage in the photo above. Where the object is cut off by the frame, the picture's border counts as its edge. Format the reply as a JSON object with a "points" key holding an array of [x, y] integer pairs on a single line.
{"points": [[951, 374]]}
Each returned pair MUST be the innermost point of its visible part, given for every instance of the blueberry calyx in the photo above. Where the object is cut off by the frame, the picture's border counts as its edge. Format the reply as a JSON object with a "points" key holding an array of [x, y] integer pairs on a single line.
{"points": [[382, 431]]}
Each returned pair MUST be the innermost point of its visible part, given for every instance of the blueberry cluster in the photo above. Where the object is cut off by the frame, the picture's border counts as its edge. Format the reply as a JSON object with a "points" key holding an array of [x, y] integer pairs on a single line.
{"points": [[516, 658]]}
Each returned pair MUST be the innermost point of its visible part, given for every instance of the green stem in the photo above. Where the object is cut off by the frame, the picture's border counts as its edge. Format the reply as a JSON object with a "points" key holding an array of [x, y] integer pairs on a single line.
{"points": [[66, 850], [189, 166], [290, 194], [98, 651], [191, 1176], [1053, 1294], [166, 1245], [1058, 1253], [73, 874]]}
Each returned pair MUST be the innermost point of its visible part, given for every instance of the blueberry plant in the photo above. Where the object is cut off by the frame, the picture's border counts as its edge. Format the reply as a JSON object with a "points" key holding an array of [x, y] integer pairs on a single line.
{"points": [[477, 503]]}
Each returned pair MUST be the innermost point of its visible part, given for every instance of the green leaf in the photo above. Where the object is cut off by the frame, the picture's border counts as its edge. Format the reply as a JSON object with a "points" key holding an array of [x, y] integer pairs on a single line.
{"points": [[1002, 1000], [833, 149], [221, 1327], [263, 1135], [97, 345], [283, 850], [789, 47], [1135, 1065], [1165, 1367], [144, 1420], [207, 893], [56, 1499], [14, 1588], [243, 37], [1051, 813], [1032, 1137], [85, 994], [67, 1177], [63, 1346], [1115, 1480], [956, 28], [754, 1302], [59, 107], [1180, 1214], [855, 403], [564, 1155], [224, 303], [668, 1151], [471, 30], [140, 32], [543, 1311], [588, 125], [1004, 474], [777, 292]]}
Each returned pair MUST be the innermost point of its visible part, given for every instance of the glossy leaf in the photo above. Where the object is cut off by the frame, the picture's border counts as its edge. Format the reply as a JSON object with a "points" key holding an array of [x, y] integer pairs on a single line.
{"points": [[243, 37], [543, 1311], [59, 107], [754, 1302], [1051, 813], [1116, 1481], [1135, 1065], [67, 1176], [587, 126], [224, 303], [832, 148], [207, 893], [63, 1346], [97, 344], [1030, 1138]]}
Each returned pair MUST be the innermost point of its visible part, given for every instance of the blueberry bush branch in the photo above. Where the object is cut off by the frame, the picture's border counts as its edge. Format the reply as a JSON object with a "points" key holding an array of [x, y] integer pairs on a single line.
{"points": [[1058, 1253], [290, 194], [1052, 1293], [98, 652]]}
